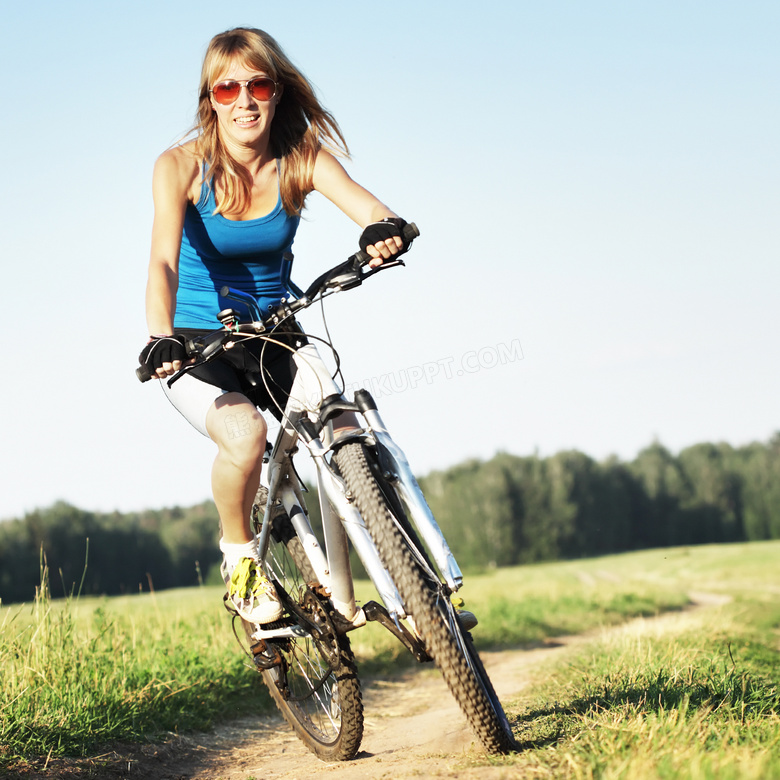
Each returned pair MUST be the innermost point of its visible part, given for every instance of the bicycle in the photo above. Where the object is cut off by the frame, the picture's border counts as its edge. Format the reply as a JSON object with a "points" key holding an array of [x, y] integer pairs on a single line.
{"points": [[368, 498]]}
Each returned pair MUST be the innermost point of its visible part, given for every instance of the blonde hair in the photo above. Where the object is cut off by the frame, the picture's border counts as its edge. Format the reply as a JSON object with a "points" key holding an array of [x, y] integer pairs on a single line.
{"points": [[300, 127]]}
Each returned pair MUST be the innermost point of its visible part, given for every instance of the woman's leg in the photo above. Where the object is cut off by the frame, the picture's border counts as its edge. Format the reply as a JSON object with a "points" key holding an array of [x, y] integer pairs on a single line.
{"points": [[239, 431]]}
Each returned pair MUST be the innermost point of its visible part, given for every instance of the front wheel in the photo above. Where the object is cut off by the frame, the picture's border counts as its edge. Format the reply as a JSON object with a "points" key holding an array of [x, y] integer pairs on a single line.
{"points": [[425, 597], [314, 682]]}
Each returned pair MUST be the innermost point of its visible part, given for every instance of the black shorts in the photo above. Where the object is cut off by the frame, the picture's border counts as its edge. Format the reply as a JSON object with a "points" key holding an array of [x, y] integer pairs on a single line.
{"points": [[260, 368]]}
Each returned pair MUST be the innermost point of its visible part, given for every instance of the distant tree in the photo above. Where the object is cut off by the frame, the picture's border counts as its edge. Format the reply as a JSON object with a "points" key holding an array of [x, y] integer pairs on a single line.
{"points": [[95, 553], [614, 491], [459, 502], [657, 515], [759, 469], [712, 501], [19, 562], [191, 538], [556, 526], [587, 507], [538, 536]]}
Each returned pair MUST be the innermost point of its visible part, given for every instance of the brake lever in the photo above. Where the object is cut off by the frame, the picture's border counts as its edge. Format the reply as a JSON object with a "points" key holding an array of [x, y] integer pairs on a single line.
{"points": [[385, 264], [212, 350], [350, 278]]}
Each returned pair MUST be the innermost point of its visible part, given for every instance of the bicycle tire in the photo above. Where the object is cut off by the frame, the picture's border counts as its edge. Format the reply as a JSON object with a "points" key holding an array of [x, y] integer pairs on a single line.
{"points": [[426, 601], [326, 717]]}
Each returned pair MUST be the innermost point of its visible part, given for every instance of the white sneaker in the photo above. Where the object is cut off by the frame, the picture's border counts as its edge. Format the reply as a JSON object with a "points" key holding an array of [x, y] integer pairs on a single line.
{"points": [[251, 593]]}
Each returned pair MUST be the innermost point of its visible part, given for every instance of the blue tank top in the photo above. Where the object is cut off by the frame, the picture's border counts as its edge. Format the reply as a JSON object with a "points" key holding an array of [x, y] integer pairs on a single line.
{"points": [[246, 255]]}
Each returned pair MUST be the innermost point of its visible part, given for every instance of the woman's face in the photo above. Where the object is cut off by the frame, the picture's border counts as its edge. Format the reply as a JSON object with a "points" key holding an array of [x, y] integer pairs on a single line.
{"points": [[247, 121]]}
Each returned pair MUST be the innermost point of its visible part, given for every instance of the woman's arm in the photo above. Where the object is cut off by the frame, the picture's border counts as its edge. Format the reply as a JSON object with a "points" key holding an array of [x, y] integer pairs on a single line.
{"points": [[174, 173], [355, 201]]}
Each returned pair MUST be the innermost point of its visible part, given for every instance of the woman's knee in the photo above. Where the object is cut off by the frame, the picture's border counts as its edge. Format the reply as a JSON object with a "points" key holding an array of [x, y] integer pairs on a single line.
{"points": [[238, 428]]}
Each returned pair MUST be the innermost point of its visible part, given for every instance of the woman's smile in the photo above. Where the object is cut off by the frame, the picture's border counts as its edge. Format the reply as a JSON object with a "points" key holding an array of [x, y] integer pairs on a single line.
{"points": [[247, 121]]}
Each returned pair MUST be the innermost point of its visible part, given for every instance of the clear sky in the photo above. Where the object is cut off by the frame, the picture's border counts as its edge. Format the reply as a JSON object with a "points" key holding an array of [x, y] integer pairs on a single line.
{"points": [[597, 186]]}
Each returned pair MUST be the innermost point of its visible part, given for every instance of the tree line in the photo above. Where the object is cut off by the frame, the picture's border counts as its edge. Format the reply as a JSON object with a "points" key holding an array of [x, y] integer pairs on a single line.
{"points": [[513, 510], [505, 511], [94, 553]]}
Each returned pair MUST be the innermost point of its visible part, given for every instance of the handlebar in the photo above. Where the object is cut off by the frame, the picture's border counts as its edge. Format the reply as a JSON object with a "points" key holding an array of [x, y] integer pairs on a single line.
{"points": [[344, 276], [350, 273]]}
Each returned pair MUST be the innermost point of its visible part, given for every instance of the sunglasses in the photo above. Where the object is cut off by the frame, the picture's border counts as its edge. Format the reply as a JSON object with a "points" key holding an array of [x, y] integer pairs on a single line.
{"points": [[261, 88]]}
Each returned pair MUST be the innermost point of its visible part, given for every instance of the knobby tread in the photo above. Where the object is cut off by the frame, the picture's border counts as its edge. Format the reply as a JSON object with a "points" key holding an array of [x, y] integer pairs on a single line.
{"points": [[470, 686]]}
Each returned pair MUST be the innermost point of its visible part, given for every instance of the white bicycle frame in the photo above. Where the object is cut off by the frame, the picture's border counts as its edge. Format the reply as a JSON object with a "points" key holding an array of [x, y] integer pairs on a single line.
{"points": [[341, 522]]}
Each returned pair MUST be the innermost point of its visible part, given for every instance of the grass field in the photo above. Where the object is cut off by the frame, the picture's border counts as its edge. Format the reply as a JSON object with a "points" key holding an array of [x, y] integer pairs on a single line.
{"points": [[698, 699]]}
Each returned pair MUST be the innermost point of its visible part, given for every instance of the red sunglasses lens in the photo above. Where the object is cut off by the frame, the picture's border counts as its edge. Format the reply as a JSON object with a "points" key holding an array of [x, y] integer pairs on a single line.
{"points": [[261, 89], [226, 92]]}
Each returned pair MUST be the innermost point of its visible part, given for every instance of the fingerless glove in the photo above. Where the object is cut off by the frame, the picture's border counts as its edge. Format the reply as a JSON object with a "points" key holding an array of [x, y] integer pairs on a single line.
{"points": [[162, 349]]}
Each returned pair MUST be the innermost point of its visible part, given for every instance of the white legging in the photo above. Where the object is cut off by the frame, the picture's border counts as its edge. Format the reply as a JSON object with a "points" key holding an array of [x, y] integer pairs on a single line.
{"points": [[193, 397]]}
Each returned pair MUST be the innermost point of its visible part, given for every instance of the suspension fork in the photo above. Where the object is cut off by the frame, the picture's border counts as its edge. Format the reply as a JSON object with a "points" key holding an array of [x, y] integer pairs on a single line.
{"points": [[399, 473]]}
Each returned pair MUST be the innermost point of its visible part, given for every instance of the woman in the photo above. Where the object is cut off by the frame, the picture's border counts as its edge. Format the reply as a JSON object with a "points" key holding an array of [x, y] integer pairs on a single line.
{"points": [[226, 209]]}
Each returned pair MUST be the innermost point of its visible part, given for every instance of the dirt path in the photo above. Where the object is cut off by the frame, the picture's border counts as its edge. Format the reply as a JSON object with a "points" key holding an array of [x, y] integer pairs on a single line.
{"points": [[413, 729]]}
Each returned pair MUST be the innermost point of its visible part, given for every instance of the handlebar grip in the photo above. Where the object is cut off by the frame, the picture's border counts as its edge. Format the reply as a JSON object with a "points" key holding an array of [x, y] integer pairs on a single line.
{"points": [[411, 231], [361, 258], [143, 374]]}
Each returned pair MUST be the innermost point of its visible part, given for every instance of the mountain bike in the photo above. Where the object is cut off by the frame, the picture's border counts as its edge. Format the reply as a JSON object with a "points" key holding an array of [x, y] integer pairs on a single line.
{"points": [[369, 499]]}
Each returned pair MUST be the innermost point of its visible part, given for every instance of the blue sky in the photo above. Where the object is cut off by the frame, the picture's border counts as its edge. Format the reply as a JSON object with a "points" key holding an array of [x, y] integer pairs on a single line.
{"points": [[597, 185]]}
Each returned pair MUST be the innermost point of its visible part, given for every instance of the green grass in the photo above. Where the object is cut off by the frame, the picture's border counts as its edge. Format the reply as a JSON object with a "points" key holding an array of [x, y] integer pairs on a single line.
{"points": [[703, 703], [78, 674], [694, 695]]}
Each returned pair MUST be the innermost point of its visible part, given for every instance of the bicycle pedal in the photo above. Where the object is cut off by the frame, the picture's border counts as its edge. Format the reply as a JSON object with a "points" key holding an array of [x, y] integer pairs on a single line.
{"points": [[468, 620], [410, 641]]}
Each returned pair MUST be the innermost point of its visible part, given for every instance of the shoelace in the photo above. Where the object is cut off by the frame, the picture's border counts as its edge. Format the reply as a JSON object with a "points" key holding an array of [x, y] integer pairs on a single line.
{"points": [[247, 579]]}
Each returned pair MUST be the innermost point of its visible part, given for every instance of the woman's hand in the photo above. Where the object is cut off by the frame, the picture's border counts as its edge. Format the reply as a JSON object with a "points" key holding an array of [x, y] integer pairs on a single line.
{"points": [[163, 355], [383, 239]]}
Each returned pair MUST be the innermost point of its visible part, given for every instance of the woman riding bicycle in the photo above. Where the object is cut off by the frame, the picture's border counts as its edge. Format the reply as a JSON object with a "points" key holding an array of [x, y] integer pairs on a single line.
{"points": [[226, 209]]}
